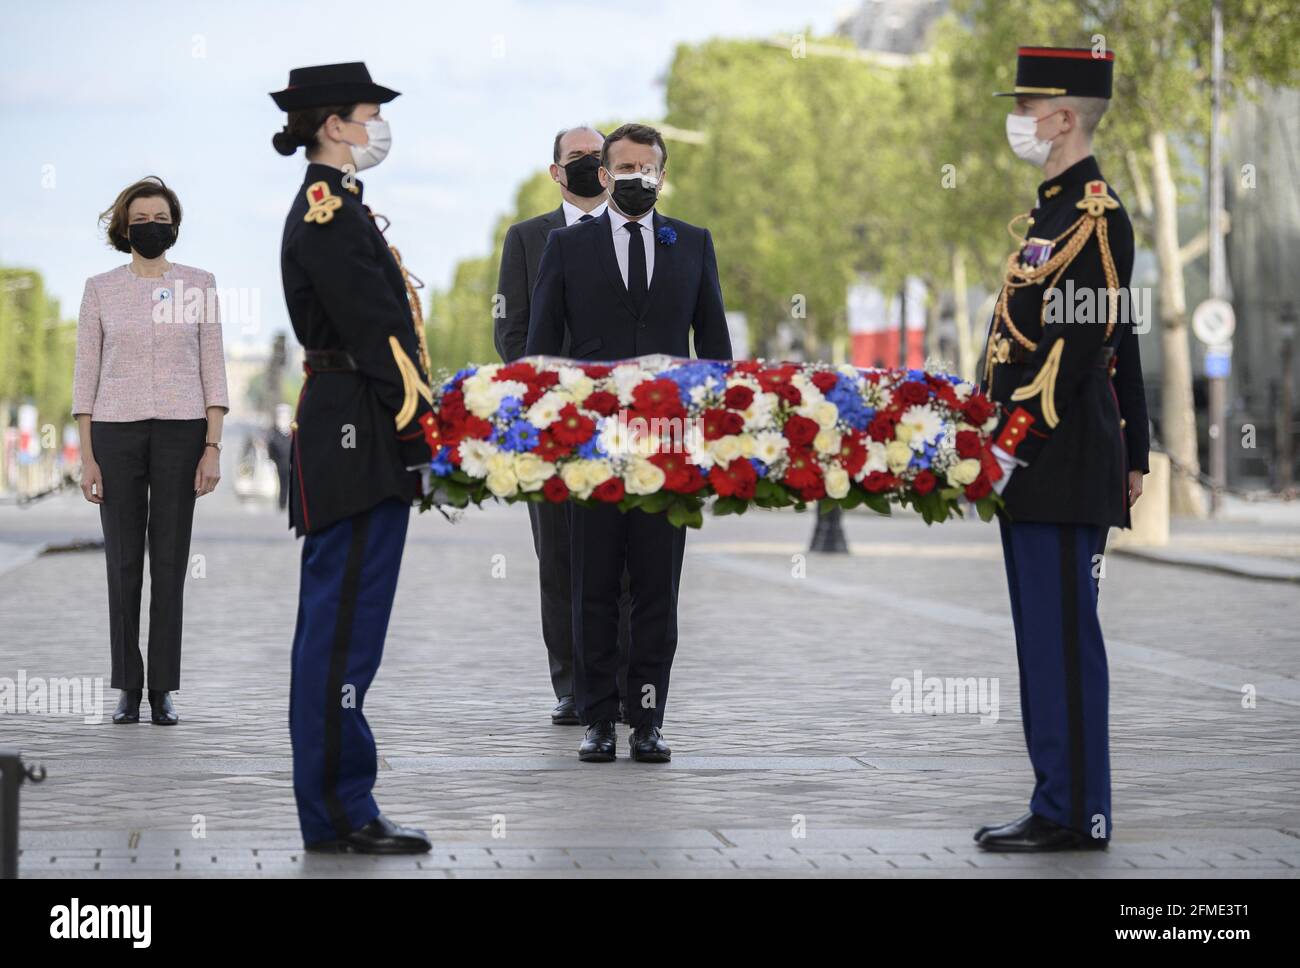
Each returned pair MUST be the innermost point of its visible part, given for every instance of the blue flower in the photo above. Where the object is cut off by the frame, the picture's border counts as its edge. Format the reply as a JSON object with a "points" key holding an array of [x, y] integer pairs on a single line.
{"points": [[759, 467], [666, 235], [441, 465], [518, 437]]}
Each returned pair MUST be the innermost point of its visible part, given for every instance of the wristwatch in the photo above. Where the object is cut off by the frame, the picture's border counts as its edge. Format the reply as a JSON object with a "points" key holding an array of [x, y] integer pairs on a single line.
{"points": [[213, 443]]}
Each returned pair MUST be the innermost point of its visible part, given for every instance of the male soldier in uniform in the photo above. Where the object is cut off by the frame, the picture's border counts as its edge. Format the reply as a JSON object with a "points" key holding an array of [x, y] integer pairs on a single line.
{"points": [[357, 446], [1072, 464]]}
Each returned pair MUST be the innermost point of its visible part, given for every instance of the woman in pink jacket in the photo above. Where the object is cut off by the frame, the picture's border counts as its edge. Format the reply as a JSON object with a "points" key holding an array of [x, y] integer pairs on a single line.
{"points": [[149, 395]]}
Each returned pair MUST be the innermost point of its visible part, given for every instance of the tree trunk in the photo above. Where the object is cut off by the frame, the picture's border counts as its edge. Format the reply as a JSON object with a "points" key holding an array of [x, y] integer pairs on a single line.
{"points": [[1178, 413], [961, 317]]}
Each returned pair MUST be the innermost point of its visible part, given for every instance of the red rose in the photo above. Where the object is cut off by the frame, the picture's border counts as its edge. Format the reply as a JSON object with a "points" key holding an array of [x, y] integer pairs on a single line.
{"points": [[609, 490], [800, 431], [572, 428], [523, 372], [555, 490], [721, 423], [478, 428], [878, 481], [968, 443], [737, 479], [978, 409], [824, 380], [738, 397], [788, 393], [602, 402], [595, 371], [978, 488], [813, 492], [776, 376], [658, 398], [946, 395], [881, 427], [924, 482], [914, 392]]}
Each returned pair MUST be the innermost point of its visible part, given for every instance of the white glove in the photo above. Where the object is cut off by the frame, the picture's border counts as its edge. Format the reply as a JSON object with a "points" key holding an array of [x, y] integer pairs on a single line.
{"points": [[1008, 464]]}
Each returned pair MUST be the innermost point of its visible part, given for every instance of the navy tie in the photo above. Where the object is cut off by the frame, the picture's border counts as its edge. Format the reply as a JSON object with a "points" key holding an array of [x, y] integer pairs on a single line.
{"points": [[636, 281]]}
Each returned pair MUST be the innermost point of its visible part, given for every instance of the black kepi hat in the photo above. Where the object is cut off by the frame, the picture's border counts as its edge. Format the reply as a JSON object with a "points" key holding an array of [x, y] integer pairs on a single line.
{"points": [[1062, 72], [330, 84]]}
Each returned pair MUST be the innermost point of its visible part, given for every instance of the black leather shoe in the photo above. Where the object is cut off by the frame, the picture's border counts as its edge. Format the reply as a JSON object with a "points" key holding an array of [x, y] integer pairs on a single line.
{"points": [[565, 712], [1034, 834], [599, 745], [648, 745], [162, 712], [992, 826], [380, 836], [128, 706]]}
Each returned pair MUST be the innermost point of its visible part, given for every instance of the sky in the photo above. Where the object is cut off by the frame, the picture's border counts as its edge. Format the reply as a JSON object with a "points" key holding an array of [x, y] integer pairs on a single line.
{"points": [[94, 95]]}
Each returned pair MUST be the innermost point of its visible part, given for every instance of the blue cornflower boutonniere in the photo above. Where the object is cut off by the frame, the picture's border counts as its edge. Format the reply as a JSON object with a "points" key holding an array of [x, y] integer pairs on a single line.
{"points": [[666, 235]]}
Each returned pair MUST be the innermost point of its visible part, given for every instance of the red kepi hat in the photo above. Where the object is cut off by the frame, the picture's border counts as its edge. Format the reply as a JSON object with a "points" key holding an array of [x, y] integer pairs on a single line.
{"points": [[1062, 72]]}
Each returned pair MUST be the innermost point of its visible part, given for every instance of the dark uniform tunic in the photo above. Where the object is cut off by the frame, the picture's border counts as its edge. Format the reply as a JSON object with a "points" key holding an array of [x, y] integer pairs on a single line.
{"points": [[1078, 463], [346, 295], [357, 432], [1075, 419]]}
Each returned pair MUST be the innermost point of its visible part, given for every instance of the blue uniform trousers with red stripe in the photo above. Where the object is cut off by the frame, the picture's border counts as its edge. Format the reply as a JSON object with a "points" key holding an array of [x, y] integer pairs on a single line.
{"points": [[345, 596], [1064, 686]]}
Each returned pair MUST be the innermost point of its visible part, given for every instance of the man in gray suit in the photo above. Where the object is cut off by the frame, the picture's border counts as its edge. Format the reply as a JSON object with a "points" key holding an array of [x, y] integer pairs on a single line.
{"points": [[575, 160]]}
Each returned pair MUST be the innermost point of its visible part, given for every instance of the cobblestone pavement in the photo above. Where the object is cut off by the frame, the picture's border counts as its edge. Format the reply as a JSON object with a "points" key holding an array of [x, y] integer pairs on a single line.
{"points": [[788, 759]]}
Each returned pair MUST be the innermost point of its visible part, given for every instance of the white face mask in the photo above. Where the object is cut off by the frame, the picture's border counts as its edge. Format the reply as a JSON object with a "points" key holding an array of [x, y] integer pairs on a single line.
{"points": [[368, 155], [1022, 135]]}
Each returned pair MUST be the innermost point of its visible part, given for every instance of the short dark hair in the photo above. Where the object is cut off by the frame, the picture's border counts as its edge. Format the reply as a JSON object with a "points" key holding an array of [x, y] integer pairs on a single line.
{"points": [[301, 127], [642, 134], [114, 218], [559, 136]]}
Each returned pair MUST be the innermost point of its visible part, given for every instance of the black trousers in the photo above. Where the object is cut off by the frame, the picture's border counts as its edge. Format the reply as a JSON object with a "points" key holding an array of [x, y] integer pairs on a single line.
{"points": [[550, 524], [604, 543], [148, 468]]}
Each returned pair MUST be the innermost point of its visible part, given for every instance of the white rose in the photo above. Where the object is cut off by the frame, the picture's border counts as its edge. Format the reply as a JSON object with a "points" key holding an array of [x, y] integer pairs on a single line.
{"points": [[503, 483], [876, 462], [837, 482], [725, 449], [826, 414], [532, 471], [898, 455], [574, 475], [827, 442], [643, 477], [964, 471]]}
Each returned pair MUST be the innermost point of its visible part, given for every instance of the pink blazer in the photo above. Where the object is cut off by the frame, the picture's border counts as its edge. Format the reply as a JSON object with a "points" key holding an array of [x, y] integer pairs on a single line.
{"points": [[149, 348]]}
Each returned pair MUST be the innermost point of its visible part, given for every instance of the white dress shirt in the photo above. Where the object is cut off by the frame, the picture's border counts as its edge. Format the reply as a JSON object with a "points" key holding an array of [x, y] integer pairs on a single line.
{"points": [[647, 230], [572, 213]]}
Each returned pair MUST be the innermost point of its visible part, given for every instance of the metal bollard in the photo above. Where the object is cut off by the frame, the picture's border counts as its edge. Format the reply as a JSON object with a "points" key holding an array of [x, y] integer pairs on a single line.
{"points": [[12, 775]]}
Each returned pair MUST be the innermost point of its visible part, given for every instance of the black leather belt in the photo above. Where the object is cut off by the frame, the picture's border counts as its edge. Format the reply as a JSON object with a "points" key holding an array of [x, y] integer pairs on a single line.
{"points": [[328, 361], [1021, 355]]}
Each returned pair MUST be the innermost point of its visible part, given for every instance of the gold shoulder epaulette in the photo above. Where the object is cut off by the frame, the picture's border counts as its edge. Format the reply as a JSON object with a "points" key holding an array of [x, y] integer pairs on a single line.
{"points": [[1096, 199], [321, 203]]}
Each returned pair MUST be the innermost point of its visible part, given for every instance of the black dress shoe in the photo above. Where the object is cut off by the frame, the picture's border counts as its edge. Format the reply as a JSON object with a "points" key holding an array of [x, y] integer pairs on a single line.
{"points": [[991, 826], [565, 712], [599, 745], [380, 836], [162, 712], [128, 706], [648, 745], [1034, 834]]}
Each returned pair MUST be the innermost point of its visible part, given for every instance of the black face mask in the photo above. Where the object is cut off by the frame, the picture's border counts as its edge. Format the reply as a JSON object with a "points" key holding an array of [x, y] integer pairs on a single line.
{"points": [[631, 196], [583, 181], [151, 239]]}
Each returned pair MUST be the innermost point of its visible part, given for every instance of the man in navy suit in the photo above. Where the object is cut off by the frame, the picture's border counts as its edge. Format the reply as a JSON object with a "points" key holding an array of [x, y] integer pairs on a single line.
{"points": [[627, 284]]}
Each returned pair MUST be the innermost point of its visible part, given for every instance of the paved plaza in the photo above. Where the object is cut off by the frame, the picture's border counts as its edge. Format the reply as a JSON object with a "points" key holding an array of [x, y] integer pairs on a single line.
{"points": [[794, 751]]}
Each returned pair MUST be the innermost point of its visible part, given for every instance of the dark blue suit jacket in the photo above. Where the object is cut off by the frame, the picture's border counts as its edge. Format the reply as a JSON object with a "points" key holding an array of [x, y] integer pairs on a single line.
{"points": [[580, 291]]}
